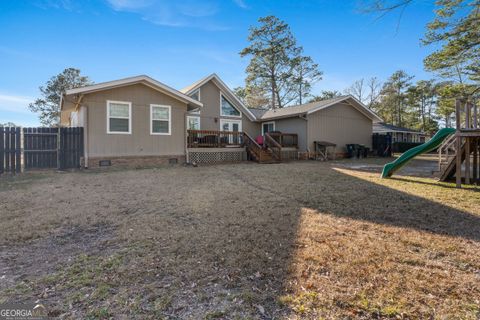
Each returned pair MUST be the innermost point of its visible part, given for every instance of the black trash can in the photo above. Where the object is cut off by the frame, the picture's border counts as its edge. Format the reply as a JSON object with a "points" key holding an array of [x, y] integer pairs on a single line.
{"points": [[366, 152], [360, 151], [350, 150]]}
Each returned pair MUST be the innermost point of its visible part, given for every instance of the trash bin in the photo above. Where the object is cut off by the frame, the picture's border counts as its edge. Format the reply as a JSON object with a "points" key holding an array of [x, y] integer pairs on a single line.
{"points": [[350, 150], [365, 152], [360, 150]]}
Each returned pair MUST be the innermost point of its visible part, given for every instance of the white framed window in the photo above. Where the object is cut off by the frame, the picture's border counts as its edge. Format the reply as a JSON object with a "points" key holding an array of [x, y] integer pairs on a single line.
{"points": [[193, 123], [268, 127], [160, 119], [119, 117], [195, 94], [227, 109]]}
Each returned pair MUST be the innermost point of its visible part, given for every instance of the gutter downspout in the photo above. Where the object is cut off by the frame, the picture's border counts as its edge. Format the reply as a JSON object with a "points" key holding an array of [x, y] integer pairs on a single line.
{"points": [[187, 156], [85, 138], [304, 117], [82, 112]]}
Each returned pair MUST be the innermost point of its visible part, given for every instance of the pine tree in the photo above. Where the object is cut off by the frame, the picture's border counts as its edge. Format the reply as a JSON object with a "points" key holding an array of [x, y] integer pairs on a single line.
{"points": [[48, 106]]}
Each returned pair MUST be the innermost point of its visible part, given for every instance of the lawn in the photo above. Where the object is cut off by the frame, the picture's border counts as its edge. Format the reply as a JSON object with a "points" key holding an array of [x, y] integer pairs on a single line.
{"points": [[285, 241]]}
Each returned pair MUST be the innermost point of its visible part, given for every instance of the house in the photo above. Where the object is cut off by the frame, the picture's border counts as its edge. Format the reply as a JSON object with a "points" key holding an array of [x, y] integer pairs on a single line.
{"points": [[400, 134], [341, 120], [135, 121], [140, 121]]}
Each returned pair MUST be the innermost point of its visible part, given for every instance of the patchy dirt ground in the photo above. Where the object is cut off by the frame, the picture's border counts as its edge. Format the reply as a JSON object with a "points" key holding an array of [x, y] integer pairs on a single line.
{"points": [[295, 240]]}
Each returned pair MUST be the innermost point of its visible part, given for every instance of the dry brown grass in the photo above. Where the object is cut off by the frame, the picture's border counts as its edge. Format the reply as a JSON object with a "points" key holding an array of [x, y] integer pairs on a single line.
{"points": [[298, 240]]}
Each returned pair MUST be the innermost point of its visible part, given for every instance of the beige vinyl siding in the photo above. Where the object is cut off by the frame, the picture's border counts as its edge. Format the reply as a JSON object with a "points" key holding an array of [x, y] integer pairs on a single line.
{"points": [[210, 97], [252, 128], [293, 125], [340, 124], [140, 142]]}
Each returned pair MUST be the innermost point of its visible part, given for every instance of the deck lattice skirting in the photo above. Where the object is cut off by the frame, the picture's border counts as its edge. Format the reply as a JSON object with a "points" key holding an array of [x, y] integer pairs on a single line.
{"points": [[213, 156]]}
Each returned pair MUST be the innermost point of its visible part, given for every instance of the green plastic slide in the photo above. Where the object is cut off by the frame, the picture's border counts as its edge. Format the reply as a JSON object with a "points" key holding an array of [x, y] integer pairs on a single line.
{"points": [[428, 146]]}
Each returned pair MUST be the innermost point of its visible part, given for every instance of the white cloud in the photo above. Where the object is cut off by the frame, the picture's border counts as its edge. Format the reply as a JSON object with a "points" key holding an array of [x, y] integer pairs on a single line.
{"points": [[15, 103], [68, 5], [172, 13], [120, 5], [241, 4]]}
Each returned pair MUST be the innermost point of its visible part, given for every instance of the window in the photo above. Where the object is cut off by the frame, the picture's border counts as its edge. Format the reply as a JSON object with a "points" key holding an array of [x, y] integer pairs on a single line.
{"points": [[193, 123], [160, 119], [195, 94], [119, 117], [268, 127], [227, 109]]}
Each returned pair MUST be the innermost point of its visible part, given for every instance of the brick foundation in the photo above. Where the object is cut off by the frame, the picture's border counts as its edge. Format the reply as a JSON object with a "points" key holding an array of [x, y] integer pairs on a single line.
{"points": [[136, 161]]}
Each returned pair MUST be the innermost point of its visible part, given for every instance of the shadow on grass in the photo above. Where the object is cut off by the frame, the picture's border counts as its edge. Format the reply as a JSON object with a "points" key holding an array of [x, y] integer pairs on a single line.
{"points": [[434, 184], [275, 231], [366, 200]]}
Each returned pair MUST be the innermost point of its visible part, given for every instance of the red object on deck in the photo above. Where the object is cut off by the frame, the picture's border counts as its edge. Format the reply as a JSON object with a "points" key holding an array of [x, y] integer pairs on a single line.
{"points": [[259, 140]]}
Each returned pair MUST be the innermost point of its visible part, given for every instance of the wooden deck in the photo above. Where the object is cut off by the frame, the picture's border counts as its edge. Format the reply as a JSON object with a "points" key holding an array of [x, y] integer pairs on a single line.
{"points": [[273, 149]]}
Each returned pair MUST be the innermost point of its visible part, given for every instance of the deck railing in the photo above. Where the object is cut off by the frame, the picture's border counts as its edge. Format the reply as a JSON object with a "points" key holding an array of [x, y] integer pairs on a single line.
{"points": [[252, 146], [222, 139], [214, 139], [276, 147], [286, 140]]}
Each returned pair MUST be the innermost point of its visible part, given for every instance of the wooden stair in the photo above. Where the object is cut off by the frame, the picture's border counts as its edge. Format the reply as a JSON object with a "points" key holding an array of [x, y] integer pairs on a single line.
{"points": [[265, 157], [257, 153], [448, 167]]}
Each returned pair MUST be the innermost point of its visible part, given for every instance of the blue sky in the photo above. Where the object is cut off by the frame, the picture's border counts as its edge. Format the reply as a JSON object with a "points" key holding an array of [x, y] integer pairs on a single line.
{"points": [[178, 42]]}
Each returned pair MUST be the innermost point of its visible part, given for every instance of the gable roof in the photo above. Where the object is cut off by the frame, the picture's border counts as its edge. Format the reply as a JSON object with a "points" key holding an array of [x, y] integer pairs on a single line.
{"points": [[385, 127], [258, 112], [154, 84], [222, 86], [309, 108]]}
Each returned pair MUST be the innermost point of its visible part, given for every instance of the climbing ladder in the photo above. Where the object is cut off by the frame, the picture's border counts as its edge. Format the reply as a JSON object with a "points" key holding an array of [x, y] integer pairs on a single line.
{"points": [[459, 155]]}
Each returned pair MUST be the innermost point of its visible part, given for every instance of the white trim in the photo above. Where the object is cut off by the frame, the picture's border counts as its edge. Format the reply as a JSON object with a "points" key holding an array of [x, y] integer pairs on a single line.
{"points": [[129, 117], [169, 120], [199, 125], [194, 112], [268, 122], [221, 86], [228, 115], [222, 121], [193, 92], [157, 85]]}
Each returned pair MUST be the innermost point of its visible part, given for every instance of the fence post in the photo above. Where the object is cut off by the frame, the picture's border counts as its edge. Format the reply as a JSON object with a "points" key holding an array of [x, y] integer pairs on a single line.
{"points": [[18, 150], [2, 150], [59, 147], [13, 149]]}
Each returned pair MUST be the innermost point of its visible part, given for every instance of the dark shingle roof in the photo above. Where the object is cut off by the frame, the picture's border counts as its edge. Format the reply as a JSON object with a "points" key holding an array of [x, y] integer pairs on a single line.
{"points": [[299, 109], [385, 127], [258, 113]]}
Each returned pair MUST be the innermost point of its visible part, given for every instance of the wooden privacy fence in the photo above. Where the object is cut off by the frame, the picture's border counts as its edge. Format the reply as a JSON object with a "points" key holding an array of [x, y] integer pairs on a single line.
{"points": [[38, 148], [10, 150]]}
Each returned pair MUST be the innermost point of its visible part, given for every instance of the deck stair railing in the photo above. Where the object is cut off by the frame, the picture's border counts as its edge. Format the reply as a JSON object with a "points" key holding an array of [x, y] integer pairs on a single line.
{"points": [[252, 147], [273, 145]]}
